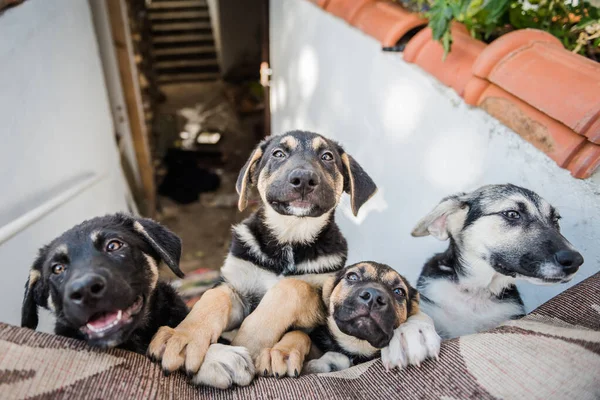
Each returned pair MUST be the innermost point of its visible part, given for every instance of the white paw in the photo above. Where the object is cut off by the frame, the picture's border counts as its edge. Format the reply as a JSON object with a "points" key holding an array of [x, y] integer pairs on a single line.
{"points": [[329, 362], [225, 366], [413, 342]]}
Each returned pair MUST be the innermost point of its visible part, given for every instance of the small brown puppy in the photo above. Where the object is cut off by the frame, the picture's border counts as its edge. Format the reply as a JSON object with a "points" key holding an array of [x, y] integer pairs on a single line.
{"points": [[365, 303]]}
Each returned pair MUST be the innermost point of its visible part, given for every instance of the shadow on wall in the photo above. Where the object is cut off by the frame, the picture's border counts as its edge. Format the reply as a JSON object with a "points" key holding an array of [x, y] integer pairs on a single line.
{"points": [[416, 138]]}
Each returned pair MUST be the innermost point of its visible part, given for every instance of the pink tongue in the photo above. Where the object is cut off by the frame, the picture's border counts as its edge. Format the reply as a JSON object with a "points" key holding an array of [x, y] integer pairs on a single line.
{"points": [[104, 320]]}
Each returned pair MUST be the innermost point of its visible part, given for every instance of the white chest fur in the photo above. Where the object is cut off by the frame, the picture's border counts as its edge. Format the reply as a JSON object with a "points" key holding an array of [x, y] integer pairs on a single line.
{"points": [[248, 278], [457, 311]]}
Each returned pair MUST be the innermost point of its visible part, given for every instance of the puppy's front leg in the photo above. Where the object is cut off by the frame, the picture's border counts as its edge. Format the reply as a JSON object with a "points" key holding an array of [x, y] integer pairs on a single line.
{"points": [[413, 342], [290, 303], [186, 345]]}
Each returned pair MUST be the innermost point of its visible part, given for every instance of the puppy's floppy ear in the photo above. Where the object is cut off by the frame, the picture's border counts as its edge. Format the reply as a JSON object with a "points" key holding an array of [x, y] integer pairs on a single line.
{"points": [[328, 287], [436, 222], [33, 292], [163, 241], [413, 298], [244, 180], [357, 183]]}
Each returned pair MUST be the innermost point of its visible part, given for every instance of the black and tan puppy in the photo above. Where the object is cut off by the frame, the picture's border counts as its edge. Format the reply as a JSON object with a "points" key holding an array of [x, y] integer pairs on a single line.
{"points": [[300, 177], [365, 303], [100, 279]]}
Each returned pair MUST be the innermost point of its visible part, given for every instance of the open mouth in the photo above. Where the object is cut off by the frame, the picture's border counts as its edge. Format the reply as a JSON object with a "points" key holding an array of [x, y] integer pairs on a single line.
{"points": [[106, 323], [301, 204]]}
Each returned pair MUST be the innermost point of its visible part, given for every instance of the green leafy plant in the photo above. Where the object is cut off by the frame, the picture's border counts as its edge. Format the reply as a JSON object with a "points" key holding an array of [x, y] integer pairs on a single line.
{"points": [[575, 22]]}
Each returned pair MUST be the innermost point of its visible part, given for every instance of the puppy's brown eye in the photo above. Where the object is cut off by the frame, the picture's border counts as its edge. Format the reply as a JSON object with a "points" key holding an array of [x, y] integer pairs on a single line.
{"points": [[278, 154], [351, 276], [400, 292], [511, 214], [58, 269], [113, 245], [327, 156]]}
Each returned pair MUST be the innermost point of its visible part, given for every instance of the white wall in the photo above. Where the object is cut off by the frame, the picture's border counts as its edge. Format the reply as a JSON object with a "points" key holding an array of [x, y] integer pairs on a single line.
{"points": [[414, 136], [57, 132]]}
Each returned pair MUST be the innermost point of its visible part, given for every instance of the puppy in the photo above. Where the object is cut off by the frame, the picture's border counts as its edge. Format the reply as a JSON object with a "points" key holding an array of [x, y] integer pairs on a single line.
{"points": [[365, 303], [100, 280], [279, 257], [498, 234]]}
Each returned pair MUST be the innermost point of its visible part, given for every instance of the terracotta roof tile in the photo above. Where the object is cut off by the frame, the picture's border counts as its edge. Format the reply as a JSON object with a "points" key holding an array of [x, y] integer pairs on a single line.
{"points": [[455, 70], [550, 136], [346, 9], [386, 22], [534, 66]]}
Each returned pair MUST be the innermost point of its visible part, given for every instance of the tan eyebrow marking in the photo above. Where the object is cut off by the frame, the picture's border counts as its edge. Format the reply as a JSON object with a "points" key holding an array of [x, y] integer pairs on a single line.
{"points": [[34, 276], [290, 142], [318, 142], [61, 250], [94, 236]]}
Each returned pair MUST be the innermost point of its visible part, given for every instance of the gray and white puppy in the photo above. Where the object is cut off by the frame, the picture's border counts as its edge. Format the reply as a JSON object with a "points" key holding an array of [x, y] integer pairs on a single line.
{"points": [[498, 234]]}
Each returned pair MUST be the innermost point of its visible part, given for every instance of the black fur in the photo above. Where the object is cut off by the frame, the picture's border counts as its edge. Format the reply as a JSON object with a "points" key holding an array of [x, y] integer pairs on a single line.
{"points": [[166, 308], [450, 259], [82, 253], [324, 340]]}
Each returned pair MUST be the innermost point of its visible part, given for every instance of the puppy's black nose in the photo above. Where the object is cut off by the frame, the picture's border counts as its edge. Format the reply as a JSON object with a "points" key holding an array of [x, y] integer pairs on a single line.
{"points": [[373, 298], [86, 288], [303, 180], [570, 260]]}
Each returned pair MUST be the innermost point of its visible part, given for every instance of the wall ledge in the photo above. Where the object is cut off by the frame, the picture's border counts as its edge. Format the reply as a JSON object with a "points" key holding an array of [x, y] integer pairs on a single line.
{"points": [[526, 78]]}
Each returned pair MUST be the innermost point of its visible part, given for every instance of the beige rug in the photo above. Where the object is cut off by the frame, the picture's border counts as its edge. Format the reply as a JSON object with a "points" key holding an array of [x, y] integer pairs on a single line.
{"points": [[553, 353]]}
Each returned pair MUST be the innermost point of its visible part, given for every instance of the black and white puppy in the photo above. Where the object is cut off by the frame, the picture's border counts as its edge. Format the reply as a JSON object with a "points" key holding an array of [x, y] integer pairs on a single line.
{"points": [[100, 280], [498, 234]]}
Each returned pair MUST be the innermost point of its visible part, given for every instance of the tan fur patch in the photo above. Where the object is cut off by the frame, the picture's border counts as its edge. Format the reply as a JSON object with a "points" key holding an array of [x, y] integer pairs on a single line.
{"points": [[34, 276], [290, 142], [318, 143], [370, 272], [50, 303], [338, 184], [264, 181], [290, 303], [286, 357], [153, 271], [94, 236], [61, 250], [350, 343], [346, 162], [243, 200]]}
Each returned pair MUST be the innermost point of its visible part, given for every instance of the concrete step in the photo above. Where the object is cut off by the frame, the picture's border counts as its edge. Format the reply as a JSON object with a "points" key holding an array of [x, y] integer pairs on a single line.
{"points": [[180, 26], [168, 5], [199, 76], [178, 15], [185, 63], [193, 37], [175, 51]]}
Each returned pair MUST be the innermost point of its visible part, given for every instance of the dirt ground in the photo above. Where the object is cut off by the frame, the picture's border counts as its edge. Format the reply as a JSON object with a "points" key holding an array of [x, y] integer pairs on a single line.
{"points": [[205, 226]]}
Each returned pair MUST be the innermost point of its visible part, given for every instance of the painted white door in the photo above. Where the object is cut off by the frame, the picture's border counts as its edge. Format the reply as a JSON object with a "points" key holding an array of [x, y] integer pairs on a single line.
{"points": [[59, 164]]}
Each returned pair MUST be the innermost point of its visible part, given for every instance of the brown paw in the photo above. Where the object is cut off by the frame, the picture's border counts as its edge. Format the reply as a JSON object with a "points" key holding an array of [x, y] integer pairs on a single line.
{"points": [[279, 363], [178, 347]]}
